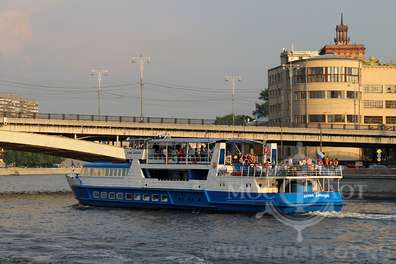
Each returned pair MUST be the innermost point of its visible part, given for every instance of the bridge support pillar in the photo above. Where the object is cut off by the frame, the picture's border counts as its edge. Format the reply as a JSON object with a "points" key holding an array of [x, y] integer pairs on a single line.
{"points": [[118, 141]]}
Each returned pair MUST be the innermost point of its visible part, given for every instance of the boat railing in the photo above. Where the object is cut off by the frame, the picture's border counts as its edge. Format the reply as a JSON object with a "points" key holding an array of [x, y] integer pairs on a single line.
{"points": [[178, 159], [278, 171]]}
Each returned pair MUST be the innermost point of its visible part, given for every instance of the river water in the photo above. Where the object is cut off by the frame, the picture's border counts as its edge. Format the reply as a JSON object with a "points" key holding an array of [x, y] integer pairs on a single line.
{"points": [[41, 223]]}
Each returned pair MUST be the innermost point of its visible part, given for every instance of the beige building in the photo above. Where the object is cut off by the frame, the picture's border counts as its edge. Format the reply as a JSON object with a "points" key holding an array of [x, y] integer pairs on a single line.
{"points": [[12, 105], [334, 87], [331, 89]]}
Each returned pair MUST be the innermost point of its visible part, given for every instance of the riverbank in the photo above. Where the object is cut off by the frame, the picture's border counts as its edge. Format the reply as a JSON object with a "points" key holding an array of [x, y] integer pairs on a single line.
{"points": [[16, 171]]}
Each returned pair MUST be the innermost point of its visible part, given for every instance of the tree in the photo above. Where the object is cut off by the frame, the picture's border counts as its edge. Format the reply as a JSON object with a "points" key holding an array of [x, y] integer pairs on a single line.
{"points": [[227, 120], [262, 108], [28, 159]]}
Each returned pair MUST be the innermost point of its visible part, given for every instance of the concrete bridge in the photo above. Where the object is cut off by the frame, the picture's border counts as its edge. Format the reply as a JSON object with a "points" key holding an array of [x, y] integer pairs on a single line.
{"points": [[60, 146], [116, 129]]}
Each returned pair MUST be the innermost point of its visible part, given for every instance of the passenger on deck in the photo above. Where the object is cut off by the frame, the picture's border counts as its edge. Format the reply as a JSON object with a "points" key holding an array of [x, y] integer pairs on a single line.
{"points": [[267, 166], [174, 155], [164, 153], [204, 154], [181, 155]]}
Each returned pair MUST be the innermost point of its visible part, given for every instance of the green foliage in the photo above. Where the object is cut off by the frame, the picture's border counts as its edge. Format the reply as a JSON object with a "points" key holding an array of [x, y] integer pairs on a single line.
{"points": [[28, 159], [372, 61], [262, 108], [227, 120]]}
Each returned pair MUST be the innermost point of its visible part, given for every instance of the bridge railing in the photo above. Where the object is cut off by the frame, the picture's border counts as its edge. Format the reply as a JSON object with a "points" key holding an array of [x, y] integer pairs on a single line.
{"points": [[107, 118], [168, 120]]}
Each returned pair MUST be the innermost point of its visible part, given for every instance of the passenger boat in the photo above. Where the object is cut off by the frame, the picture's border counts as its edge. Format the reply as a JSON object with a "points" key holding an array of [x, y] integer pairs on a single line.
{"points": [[206, 174]]}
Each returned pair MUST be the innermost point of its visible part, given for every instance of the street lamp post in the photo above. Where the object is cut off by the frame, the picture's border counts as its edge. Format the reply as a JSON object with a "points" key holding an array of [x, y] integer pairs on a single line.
{"points": [[291, 68], [100, 73], [233, 79], [141, 60]]}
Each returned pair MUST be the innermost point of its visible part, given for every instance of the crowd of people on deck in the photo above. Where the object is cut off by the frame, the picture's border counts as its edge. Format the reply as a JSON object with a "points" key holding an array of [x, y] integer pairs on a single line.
{"points": [[322, 165], [179, 154], [249, 163]]}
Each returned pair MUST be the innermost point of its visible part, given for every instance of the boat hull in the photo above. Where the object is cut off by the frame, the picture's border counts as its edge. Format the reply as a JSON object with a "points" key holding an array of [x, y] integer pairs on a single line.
{"points": [[239, 202]]}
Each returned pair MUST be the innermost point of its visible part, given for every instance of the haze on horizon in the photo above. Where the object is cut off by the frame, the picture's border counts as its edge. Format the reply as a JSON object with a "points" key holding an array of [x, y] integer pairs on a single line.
{"points": [[50, 46]]}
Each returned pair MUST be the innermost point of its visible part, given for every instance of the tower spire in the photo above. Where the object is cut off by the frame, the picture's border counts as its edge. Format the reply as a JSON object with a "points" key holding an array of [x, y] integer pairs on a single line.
{"points": [[342, 33]]}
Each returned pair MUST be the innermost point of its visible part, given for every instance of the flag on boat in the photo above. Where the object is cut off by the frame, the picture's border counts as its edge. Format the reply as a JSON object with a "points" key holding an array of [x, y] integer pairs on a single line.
{"points": [[319, 155]]}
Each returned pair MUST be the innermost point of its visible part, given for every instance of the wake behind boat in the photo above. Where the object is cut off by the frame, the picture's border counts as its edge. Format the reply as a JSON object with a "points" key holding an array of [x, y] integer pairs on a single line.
{"points": [[207, 174]]}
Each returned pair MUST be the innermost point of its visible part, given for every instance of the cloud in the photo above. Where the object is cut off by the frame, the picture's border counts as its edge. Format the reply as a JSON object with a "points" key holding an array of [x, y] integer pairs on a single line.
{"points": [[15, 23], [15, 31]]}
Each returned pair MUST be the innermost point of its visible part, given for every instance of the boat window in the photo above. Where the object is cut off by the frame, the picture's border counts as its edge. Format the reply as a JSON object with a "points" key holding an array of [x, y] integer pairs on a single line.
{"points": [[95, 194], [99, 172], [146, 197], [103, 195], [155, 198], [128, 196], [137, 197], [221, 158], [111, 195], [164, 198], [120, 196]]}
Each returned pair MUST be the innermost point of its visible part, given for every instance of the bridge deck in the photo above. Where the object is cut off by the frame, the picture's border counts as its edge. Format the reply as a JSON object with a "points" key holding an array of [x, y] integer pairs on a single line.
{"points": [[95, 130]]}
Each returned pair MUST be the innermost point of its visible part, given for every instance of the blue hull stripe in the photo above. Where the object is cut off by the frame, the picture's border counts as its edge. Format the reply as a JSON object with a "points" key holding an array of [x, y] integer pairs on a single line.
{"points": [[207, 200]]}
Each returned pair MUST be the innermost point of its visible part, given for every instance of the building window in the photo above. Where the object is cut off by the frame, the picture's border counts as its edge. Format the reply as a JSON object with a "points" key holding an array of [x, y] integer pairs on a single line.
{"points": [[390, 104], [317, 94], [300, 119], [351, 95], [351, 74], [274, 78], [316, 74], [328, 74], [300, 95], [336, 118], [336, 74], [373, 104], [372, 88], [391, 119], [352, 118], [300, 75], [373, 119], [317, 118], [390, 88], [336, 94]]}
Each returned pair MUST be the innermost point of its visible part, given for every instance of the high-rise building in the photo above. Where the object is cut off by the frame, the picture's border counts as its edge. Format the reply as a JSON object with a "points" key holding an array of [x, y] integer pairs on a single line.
{"points": [[12, 105]]}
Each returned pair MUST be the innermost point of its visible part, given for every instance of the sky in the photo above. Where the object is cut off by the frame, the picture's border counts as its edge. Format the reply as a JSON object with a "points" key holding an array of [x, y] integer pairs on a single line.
{"points": [[49, 47]]}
